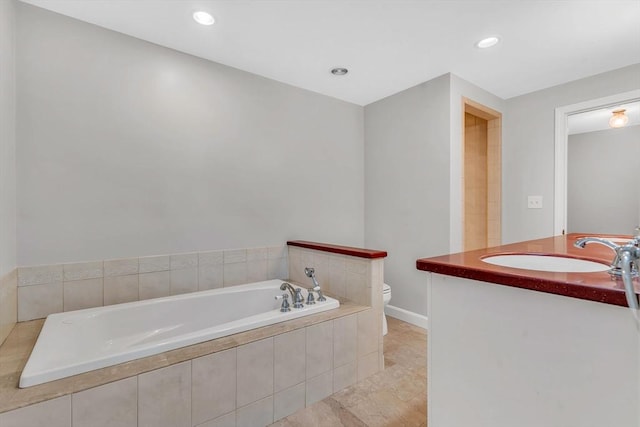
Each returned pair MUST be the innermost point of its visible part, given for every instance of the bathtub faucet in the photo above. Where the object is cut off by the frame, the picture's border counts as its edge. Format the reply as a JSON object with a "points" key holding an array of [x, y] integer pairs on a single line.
{"points": [[311, 272], [296, 294]]}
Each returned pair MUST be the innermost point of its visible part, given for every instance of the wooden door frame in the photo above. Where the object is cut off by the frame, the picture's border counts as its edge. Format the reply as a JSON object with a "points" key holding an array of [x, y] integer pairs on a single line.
{"points": [[494, 121]]}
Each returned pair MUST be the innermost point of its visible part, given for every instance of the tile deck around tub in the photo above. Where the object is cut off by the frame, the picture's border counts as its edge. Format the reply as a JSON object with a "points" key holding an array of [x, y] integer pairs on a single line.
{"points": [[15, 352]]}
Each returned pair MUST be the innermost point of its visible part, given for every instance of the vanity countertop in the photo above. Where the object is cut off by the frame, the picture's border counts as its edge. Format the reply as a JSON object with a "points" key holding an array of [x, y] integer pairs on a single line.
{"points": [[588, 286]]}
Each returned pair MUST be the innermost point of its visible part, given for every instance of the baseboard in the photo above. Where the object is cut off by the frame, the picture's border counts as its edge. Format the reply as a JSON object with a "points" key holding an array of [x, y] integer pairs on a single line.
{"points": [[406, 316]]}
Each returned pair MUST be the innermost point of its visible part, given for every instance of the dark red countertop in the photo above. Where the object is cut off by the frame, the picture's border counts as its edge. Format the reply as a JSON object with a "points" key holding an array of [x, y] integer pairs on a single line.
{"points": [[589, 286], [337, 249]]}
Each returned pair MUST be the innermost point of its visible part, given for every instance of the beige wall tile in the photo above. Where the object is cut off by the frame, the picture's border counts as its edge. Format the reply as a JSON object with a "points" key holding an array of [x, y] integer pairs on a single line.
{"points": [[257, 254], [344, 376], [367, 332], [296, 268], [50, 413], [368, 365], [40, 275], [319, 348], [184, 281], [289, 359], [256, 271], [110, 405], [321, 266], [150, 264], [277, 269], [345, 340], [255, 371], [180, 261], [306, 257], [38, 301], [228, 420], [154, 285], [356, 288], [233, 256], [319, 387], [8, 303], [235, 274], [213, 385], [80, 294], [275, 252], [257, 414], [210, 277], [338, 282], [289, 401], [356, 265], [210, 258], [120, 289], [83, 270], [120, 267], [164, 397]]}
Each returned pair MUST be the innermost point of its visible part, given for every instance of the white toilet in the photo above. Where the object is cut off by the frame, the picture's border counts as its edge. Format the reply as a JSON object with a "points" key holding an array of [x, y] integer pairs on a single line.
{"points": [[386, 297]]}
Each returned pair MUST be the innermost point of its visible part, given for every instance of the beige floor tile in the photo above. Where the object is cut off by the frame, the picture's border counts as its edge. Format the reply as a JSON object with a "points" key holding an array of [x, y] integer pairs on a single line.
{"points": [[396, 396]]}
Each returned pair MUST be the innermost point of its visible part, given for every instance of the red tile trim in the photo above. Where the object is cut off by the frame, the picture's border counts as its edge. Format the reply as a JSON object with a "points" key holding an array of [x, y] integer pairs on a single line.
{"points": [[337, 249]]}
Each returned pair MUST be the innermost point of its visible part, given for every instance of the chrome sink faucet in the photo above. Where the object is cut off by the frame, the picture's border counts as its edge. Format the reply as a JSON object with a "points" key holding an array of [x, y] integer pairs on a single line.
{"points": [[616, 264], [311, 272], [296, 294], [624, 265]]}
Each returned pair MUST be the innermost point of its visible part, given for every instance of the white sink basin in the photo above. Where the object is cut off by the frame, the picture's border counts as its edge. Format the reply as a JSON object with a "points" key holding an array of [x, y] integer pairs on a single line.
{"points": [[551, 263]]}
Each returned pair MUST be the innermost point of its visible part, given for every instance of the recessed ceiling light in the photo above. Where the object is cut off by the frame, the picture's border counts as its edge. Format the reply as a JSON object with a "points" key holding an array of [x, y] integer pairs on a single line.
{"points": [[204, 18], [339, 71], [488, 42]]}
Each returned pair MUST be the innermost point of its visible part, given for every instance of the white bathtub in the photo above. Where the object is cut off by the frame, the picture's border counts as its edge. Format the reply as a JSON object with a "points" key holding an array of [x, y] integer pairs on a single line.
{"points": [[80, 341]]}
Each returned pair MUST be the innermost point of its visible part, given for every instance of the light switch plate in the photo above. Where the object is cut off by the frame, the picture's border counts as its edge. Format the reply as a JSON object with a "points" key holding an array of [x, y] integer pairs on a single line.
{"points": [[534, 202]]}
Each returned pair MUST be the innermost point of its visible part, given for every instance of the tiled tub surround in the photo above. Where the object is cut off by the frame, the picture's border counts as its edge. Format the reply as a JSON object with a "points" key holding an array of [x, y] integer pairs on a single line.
{"points": [[8, 303], [357, 277], [255, 377], [80, 341], [268, 373], [47, 289]]}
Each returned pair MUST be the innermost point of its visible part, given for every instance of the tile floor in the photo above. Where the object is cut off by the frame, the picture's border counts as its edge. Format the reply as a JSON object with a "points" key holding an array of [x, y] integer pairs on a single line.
{"points": [[396, 396]]}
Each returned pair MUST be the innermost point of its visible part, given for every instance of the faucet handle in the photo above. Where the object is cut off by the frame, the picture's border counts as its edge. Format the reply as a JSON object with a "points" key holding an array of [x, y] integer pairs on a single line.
{"points": [[298, 299], [310, 299], [285, 302]]}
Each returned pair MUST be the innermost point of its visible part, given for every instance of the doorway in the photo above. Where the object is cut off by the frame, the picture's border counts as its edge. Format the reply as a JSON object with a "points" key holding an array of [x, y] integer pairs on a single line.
{"points": [[481, 175], [561, 150]]}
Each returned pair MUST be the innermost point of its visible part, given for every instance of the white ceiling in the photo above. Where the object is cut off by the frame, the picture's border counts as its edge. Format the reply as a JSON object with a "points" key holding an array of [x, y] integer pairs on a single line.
{"points": [[388, 45], [595, 120]]}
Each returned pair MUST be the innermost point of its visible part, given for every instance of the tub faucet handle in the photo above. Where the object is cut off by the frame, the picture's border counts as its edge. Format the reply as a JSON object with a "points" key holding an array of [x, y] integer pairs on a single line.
{"points": [[285, 302], [299, 299], [310, 298]]}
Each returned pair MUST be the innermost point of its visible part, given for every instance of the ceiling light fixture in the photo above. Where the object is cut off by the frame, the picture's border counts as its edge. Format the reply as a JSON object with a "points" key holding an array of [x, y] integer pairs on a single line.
{"points": [[619, 118], [339, 71], [487, 42], [203, 18]]}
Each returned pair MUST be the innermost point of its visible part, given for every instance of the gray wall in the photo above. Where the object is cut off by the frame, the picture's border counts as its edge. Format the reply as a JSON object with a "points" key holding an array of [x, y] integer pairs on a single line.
{"points": [[7, 139], [407, 184], [413, 149], [528, 148], [127, 148], [598, 166]]}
